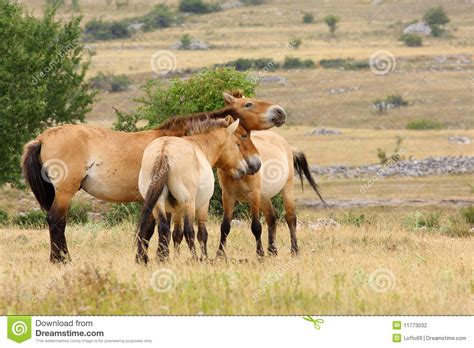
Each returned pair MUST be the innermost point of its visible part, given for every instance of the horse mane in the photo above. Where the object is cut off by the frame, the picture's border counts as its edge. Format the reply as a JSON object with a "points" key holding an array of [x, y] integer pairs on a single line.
{"points": [[205, 126], [189, 122]]}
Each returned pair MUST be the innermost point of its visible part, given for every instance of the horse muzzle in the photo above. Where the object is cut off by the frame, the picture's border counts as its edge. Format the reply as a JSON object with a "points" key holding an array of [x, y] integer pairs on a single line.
{"points": [[253, 165], [276, 115]]}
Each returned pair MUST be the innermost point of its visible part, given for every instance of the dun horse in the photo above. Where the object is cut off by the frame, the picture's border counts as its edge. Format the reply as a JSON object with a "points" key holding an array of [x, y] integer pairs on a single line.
{"points": [[106, 163], [176, 177], [279, 163]]}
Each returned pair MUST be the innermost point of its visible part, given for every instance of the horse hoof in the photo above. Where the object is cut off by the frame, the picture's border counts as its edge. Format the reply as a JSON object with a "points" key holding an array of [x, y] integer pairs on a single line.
{"points": [[141, 259], [272, 251]]}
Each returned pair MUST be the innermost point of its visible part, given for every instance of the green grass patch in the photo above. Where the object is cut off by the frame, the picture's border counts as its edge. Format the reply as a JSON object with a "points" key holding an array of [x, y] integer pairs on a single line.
{"points": [[423, 124]]}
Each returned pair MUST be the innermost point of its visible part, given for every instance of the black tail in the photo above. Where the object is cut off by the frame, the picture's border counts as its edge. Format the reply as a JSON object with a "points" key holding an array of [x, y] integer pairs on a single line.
{"points": [[301, 167], [31, 166], [158, 180]]}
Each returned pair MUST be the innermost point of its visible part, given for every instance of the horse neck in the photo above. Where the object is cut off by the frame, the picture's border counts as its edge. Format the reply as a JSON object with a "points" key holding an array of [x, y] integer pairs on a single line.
{"points": [[210, 144]]}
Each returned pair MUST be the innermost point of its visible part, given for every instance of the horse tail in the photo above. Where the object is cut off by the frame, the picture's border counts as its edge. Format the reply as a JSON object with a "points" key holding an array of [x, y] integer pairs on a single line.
{"points": [[32, 168], [301, 166], [159, 177]]}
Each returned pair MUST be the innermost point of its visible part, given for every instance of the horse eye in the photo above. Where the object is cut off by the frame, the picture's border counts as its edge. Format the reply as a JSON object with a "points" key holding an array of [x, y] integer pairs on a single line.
{"points": [[249, 104], [244, 136]]}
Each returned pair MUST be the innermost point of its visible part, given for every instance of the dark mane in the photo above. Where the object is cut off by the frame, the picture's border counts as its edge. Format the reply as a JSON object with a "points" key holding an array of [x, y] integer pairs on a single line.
{"points": [[184, 123]]}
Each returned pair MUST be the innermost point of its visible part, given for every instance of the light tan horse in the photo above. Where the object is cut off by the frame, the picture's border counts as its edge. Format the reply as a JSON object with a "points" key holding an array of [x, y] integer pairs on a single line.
{"points": [[106, 163], [176, 177], [279, 163]]}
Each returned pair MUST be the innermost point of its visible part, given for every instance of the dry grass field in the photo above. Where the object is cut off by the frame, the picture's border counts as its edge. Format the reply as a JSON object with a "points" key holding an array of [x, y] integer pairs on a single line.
{"points": [[383, 264], [380, 267]]}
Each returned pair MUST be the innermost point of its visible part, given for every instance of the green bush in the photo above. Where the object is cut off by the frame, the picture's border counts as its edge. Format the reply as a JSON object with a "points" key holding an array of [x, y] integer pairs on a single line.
{"points": [[122, 212], [30, 219], [331, 21], [42, 80], [4, 218], [308, 18], [96, 30], [352, 219], [160, 16], [77, 214], [419, 220], [197, 6], [253, 2], [244, 64], [412, 40], [297, 63], [468, 214], [200, 92], [437, 30], [436, 16], [110, 83], [347, 64], [423, 124], [395, 156], [295, 43], [185, 41]]}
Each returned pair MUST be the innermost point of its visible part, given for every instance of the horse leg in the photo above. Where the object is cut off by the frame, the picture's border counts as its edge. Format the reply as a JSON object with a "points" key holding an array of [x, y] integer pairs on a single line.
{"points": [[56, 219], [164, 234], [271, 220], [177, 232], [143, 241], [189, 213], [228, 202], [202, 230], [290, 215], [254, 200]]}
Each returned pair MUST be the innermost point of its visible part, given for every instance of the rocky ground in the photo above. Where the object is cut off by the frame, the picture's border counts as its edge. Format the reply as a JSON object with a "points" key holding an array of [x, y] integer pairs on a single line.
{"points": [[405, 168]]}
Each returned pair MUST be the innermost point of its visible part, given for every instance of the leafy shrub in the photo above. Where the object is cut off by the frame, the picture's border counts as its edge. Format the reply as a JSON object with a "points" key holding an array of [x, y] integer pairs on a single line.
{"points": [[78, 213], [436, 16], [160, 16], [419, 220], [30, 219], [244, 64], [455, 227], [423, 124], [123, 212], [331, 21], [4, 218], [395, 156], [296, 43], [197, 6], [185, 41], [391, 101], [352, 219], [297, 63], [347, 64], [308, 18], [42, 80], [412, 40], [111, 83], [200, 92], [97, 29], [253, 2], [437, 30], [468, 214]]}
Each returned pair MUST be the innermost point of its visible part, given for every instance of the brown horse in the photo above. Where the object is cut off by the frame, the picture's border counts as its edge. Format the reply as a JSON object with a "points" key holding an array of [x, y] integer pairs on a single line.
{"points": [[176, 177], [279, 163], [106, 163]]}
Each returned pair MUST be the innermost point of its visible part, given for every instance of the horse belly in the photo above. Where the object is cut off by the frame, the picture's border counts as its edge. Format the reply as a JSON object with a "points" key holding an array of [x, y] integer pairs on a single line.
{"points": [[206, 186]]}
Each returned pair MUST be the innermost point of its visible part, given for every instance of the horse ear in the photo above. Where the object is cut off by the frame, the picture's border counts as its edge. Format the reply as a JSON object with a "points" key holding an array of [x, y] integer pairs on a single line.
{"points": [[233, 127], [229, 100], [229, 119]]}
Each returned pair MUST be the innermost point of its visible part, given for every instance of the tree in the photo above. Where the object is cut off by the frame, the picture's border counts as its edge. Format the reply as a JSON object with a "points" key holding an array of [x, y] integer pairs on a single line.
{"points": [[41, 80], [436, 16], [331, 21], [308, 18]]}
